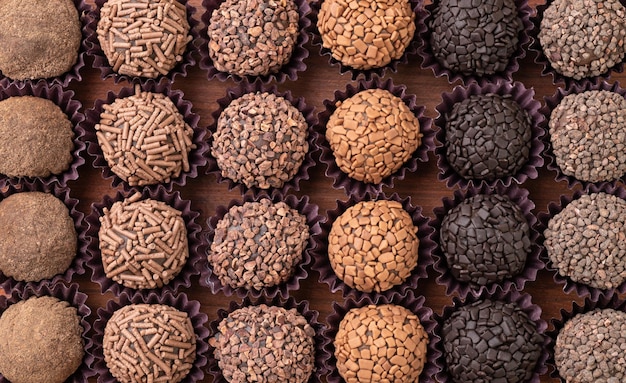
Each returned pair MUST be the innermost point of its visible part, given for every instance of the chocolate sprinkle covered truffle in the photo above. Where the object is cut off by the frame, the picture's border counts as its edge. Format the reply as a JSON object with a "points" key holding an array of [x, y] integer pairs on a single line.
{"points": [[485, 239], [36, 137], [38, 239], [258, 244], [143, 38], [144, 138], [265, 344], [384, 343], [490, 341], [372, 134], [261, 140], [143, 243], [373, 245], [40, 38], [40, 341], [585, 241], [149, 343], [583, 38], [590, 347], [253, 37], [474, 37], [487, 137], [588, 135], [366, 34]]}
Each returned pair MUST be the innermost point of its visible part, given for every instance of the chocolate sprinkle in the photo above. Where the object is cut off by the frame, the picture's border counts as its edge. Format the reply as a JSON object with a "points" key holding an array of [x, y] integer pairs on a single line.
{"points": [[265, 344], [491, 341], [485, 239], [586, 241], [475, 36]]}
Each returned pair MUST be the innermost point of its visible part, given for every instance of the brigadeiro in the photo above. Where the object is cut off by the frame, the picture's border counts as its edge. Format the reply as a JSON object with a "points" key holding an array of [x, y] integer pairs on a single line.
{"points": [[476, 40], [581, 38], [490, 133]]}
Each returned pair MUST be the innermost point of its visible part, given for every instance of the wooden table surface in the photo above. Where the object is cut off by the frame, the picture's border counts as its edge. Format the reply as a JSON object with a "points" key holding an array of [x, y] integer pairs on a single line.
{"points": [[316, 84]]}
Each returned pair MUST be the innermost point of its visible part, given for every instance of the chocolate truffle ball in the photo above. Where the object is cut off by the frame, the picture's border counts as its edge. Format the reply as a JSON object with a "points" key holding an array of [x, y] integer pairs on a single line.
{"points": [[366, 34], [40, 341], [491, 341], [485, 239], [585, 241], [38, 239], [265, 344], [588, 136], [36, 137], [144, 138], [583, 38], [143, 243], [261, 140], [40, 38], [149, 343], [143, 38], [590, 347], [384, 343], [253, 37], [372, 134], [258, 244], [487, 137], [475, 37], [373, 245]]}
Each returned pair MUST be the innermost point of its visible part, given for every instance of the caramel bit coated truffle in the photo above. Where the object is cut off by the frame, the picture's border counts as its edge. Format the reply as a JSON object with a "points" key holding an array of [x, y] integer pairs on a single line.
{"points": [[143, 38], [36, 137], [261, 140], [258, 244], [253, 37], [366, 34], [143, 243], [38, 239], [40, 341], [145, 139], [588, 136], [40, 38], [373, 245], [384, 343], [265, 344], [583, 38], [149, 343], [372, 134], [585, 241]]}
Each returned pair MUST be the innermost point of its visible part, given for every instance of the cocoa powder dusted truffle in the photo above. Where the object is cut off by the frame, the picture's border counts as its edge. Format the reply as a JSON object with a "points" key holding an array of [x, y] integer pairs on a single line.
{"points": [[583, 38], [372, 134], [40, 341], [143, 38], [488, 136], [373, 245], [258, 244], [485, 239], [253, 37], [585, 241], [40, 38], [490, 341], [265, 343], [366, 34], [590, 347], [378, 343], [475, 37], [588, 136], [36, 137], [261, 140], [144, 138], [149, 343], [38, 239], [143, 243]]}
